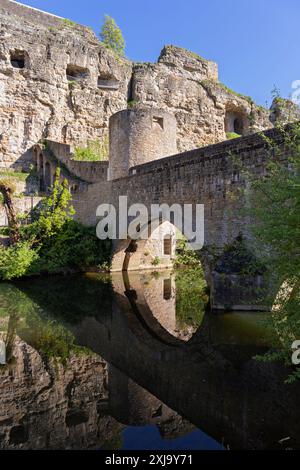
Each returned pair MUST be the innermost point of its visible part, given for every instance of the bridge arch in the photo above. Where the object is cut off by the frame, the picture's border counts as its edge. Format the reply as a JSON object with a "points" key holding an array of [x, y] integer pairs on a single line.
{"points": [[156, 252]]}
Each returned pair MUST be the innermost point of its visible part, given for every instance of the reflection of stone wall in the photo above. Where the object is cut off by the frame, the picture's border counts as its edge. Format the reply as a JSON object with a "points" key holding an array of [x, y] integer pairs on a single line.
{"points": [[160, 296], [51, 406]]}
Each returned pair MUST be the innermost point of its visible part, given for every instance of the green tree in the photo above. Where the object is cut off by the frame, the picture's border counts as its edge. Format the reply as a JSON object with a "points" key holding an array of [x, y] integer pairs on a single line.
{"points": [[54, 211], [275, 206], [112, 37]]}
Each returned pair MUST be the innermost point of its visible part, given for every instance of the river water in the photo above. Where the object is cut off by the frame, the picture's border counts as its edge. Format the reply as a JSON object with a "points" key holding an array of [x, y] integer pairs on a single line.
{"points": [[137, 362]]}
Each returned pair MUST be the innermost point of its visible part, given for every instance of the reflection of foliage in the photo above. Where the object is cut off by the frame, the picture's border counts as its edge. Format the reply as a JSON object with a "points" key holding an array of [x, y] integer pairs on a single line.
{"points": [[49, 338], [26, 319], [191, 296], [70, 298]]}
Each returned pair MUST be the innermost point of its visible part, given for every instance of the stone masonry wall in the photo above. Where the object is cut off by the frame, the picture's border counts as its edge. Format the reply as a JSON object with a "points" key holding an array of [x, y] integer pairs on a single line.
{"points": [[208, 176]]}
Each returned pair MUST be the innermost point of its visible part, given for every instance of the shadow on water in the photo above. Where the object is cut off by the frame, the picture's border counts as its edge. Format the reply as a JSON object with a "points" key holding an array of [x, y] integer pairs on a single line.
{"points": [[142, 365]]}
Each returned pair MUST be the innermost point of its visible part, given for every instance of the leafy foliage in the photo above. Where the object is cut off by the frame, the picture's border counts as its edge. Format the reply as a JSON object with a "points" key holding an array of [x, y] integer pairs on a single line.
{"points": [[15, 261], [53, 242], [112, 37], [22, 316], [275, 205], [186, 256]]}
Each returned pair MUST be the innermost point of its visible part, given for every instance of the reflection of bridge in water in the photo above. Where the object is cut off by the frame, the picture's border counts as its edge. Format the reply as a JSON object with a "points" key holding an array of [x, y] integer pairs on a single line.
{"points": [[215, 384]]}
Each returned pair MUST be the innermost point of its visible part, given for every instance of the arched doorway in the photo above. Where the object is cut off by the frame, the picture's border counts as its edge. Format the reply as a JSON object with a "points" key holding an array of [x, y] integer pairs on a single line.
{"points": [[156, 252], [236, 122]]}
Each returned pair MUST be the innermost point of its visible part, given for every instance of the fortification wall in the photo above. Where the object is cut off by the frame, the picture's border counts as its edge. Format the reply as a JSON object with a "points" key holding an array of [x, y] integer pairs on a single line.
{"points": [[90, 172], [212, 176], [139, 136]]}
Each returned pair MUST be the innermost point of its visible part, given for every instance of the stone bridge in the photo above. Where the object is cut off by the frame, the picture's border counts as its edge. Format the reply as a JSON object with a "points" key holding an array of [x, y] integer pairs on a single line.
{"points": [[215, 176], [140, 167]]}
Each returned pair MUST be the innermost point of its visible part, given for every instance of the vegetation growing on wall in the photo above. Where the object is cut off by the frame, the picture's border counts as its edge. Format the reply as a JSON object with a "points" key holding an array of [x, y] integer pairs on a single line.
{"points": [[232, 135], [185, 256], [95, 151]]}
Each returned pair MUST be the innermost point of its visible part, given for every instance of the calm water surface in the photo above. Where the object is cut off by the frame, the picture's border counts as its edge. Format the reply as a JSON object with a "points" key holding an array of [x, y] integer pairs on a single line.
{"points": [[135, 362]]}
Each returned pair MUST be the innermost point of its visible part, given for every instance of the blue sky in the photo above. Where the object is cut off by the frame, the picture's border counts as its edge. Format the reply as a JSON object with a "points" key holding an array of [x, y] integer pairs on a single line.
{"points": [[255, 42]]}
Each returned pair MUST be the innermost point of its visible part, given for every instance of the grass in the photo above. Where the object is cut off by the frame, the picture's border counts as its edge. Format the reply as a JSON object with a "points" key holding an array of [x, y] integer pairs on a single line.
{"points": [[232, 135], [14, 174], [95, 151], [68, 23], [207, 83], [132, 103], [190, 53]]}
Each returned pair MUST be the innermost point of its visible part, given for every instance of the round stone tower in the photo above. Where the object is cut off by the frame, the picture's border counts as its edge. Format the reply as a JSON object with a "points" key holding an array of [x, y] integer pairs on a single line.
{"points": [[139, 136]]}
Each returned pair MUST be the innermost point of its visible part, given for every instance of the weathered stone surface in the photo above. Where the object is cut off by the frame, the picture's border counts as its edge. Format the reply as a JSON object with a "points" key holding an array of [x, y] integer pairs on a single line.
{"points": [[64, 402], [39, 101], [188, 86], [61, 93], [284, 111], [139, 136]]}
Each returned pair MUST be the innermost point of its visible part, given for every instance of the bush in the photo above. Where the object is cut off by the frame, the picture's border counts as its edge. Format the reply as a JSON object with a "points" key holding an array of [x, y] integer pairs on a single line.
{"points": [[15, 261], [185, 256], [75, 246], [54, 241]]}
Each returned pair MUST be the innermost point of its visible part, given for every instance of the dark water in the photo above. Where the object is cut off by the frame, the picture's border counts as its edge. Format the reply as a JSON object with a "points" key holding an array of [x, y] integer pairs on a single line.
{"points": [[135, 362]]}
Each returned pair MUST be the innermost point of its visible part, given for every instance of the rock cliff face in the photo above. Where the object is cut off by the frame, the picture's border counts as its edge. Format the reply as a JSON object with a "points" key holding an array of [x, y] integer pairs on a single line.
{"points": [[188, 86], [58, 82]]}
